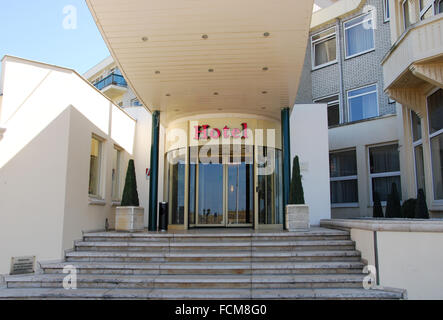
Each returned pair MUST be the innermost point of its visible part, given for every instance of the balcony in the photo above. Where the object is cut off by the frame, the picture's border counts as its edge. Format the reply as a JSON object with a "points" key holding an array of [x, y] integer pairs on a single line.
{"points": [[113, 86], [415, 62]]}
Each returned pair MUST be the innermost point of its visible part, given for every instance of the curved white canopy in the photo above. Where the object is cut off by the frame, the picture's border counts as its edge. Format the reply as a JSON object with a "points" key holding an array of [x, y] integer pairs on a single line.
{"points": [[186, 57]]}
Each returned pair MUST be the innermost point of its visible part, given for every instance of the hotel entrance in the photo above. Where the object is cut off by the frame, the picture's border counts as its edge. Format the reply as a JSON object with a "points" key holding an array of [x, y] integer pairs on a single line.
{"points": [[223, 176], [225, 194]]}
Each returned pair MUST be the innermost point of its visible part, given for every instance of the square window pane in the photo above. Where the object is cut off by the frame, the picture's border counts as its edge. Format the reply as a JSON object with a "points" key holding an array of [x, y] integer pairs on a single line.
{"points": [[345, 191], [384, 186], [94, 167], [435, 107], [343, 164], [359, 38], [363, 107], [325, 51], [419, 168], [333, 114], [323, 34], [437, 166], [384, 159], [416, 126]]}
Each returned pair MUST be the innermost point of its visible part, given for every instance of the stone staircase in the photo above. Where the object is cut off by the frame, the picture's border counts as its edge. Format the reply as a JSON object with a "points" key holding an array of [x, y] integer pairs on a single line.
{"points": [[205, 264]]}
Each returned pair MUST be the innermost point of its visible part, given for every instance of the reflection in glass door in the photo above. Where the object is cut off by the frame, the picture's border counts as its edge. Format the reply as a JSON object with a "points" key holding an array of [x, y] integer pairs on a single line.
{"points": [[224, 191], [210, 194], [239, 194]]}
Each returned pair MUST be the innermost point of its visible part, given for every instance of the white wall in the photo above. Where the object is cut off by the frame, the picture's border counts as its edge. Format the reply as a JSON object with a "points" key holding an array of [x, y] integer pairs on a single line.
{"points": [[142, 154], [309, 140], [359, 136], [50, 114]]}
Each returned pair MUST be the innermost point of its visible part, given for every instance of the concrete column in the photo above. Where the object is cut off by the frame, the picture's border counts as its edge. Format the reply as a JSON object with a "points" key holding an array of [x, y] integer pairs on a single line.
{"points": [[153, 184]]}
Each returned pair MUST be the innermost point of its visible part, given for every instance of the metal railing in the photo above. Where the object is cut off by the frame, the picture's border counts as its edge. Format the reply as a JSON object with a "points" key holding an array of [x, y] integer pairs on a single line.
{"points": [[112, 79]]}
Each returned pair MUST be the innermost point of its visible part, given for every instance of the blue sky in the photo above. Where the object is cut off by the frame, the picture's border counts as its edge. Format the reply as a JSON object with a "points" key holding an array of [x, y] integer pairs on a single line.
{"points": [[34, 29]]}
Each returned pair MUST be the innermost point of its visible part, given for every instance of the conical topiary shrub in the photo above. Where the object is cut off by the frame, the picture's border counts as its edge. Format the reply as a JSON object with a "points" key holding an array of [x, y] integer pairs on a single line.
{"points": [[421, 208], [393, 207], [130, 194], [296, 193], [377, 211]]}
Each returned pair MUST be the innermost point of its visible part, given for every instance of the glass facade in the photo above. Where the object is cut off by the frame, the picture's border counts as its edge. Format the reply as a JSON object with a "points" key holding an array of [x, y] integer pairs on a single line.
{"points": [[270, 186], [221, 187]]}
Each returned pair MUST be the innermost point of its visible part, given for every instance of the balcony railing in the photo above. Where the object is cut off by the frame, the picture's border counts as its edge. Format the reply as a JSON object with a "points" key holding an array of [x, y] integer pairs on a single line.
{"points": [[112, 79]]}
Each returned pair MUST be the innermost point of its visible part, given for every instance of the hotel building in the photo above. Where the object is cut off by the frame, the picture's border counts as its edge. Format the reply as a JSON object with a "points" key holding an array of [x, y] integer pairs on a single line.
{"points": [[213, 101]]}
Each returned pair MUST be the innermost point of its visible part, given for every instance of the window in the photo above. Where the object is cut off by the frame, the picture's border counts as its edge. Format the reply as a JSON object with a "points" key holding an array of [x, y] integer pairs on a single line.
{"points": [[384, 170], [426, 9], [95, 167], [439, 7], [363, 103], [408, 13], [344, 183], [359, 35], [135, 103], [435, 111], [386, 10], [324, 48], [116, 173], [418, 151], [333, 109]]}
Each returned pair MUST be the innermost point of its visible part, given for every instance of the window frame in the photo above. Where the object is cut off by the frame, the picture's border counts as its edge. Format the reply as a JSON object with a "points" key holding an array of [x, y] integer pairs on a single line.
{"points": [[345, 178], [358, 88], [118, 174], [371, 14], [415, 144], [430, 136], [425, 9], [381, 174], [404, 15], [386, 11], [101, 184], [323, 39], [340, 120]]}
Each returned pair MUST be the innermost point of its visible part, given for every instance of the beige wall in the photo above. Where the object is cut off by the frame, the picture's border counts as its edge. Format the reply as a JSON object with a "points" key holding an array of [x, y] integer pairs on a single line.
{"points": [[413, 261], [408, 254]]}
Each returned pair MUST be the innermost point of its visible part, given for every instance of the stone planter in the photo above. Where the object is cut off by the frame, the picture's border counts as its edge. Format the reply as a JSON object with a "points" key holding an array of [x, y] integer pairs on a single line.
{"points": [[297, 217], [129, 219]]}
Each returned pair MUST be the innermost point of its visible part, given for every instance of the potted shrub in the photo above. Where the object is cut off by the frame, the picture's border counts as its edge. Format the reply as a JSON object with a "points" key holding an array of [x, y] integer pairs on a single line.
{"points": [[297, 212], [129, 216]]}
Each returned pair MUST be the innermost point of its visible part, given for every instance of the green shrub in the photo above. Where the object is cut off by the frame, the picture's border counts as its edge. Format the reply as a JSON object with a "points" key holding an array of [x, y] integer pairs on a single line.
{"points": [[296, 193], [393, 207], [408, 208], [377, 210], [421, 208], [130, 194]]}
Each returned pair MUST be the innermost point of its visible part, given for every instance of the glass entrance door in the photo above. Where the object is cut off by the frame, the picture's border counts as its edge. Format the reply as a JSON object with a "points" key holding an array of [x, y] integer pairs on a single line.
{"points": [[225, 194], [210, 210], [240, 195]]}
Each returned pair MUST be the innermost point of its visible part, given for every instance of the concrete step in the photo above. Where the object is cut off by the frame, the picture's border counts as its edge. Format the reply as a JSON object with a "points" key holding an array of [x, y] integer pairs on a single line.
{"points": [[254, 245], [247, 268], [211, 256], [214, 236], [192, 281], [201, 294]]}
